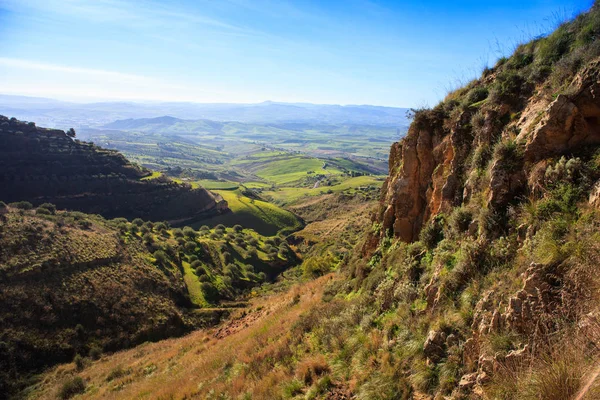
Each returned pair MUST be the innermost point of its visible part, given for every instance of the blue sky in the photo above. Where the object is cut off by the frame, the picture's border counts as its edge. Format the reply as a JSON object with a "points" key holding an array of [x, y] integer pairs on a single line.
{"points": [[396, 53]]}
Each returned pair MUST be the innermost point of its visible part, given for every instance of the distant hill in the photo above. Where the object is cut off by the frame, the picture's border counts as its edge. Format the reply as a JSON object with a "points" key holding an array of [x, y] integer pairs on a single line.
{"points": [[46, 165], [66, 114]]}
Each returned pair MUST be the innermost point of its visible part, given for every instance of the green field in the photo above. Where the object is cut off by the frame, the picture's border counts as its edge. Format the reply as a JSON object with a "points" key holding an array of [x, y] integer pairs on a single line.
{"points": [[265, 218], [254, 166], [193, 286], [350, 185]]}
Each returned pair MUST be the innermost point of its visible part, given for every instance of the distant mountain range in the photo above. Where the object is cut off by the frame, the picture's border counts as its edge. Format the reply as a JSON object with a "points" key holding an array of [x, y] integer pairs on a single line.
{"points": [[60, 114]]}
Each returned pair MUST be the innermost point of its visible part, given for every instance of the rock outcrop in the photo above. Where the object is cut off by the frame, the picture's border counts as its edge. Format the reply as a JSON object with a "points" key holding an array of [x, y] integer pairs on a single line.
{"points": [[429, 171]]}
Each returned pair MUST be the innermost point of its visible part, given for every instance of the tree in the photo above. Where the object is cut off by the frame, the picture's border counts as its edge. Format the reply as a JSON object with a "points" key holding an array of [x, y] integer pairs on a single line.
{"points": [[138, 222], [160, 256], [237, 228], [71, 132]]}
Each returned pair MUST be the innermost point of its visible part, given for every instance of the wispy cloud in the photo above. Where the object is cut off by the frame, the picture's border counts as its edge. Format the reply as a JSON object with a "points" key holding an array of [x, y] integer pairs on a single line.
{"points": [[99, 73], [125, 12]]}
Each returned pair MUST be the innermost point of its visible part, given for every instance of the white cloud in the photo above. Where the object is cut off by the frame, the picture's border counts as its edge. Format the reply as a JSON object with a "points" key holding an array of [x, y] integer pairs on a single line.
{"points": [[34, 78], [99, 73]]}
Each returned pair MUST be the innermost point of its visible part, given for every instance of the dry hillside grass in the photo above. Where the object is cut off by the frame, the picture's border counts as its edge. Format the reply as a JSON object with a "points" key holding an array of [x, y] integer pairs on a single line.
{"points": [[251, 361]]}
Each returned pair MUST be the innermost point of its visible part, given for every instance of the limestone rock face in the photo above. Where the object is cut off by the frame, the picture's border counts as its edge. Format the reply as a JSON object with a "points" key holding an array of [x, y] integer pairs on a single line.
{"points": [[423, 179], [434, 346], [429, 168]]}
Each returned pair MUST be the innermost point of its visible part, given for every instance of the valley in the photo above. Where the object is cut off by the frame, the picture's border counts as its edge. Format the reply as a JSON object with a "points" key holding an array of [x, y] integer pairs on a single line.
{"points": [[288, 251]]}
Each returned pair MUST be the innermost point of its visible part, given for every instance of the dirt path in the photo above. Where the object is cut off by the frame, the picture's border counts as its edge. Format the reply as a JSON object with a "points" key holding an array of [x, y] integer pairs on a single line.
{"points": [[589, 384]]}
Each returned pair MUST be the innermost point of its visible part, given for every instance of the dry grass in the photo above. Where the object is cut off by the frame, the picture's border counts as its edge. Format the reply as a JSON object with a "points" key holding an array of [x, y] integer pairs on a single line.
{"points": [[251, 362]]}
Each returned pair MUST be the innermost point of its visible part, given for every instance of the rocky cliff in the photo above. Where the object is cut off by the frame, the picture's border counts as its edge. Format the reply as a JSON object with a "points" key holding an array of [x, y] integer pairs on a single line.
{"points": [[438, 166], [483, 239], [47, 165]]}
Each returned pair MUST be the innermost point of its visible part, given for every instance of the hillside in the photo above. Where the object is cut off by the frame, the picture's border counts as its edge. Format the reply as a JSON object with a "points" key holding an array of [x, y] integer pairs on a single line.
{"points": [[66, 114], [78, 284], [45, 165], [476, 277]]}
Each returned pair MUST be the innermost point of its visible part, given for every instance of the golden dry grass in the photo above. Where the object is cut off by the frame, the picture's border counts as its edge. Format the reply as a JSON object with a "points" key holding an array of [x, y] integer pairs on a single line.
{"points": [[253, 360]]}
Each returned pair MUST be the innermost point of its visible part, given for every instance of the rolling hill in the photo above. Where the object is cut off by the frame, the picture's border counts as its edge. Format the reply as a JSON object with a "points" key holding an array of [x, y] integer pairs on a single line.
{"points": [[45, 165]]}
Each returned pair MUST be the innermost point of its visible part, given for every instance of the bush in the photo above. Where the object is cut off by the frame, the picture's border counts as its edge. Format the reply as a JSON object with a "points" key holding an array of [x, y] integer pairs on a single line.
{"points": [[138, 222], [237, 228], [48, 206], [116, 373], [161, 257], [553, 47], [71, 388], [42, 211], [481, 157], [520, 60], [22, 205], [477, 94], [161, 227], [190, 247], [178, 233], [148, 238], [200, 271], [84, 224], [318, 265], [211, 294], [432, 233], [189, 232], [312, 368], [96, 352], [460, 219], [507, 88], [79, 362], [509, 155]]}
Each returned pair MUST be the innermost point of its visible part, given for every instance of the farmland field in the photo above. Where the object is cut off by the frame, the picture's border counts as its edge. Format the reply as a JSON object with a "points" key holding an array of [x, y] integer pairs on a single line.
{"points": [[258, 169]]}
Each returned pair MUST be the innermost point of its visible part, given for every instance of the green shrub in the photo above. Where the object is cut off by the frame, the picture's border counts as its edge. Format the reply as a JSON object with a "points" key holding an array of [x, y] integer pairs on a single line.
{"points": [[190, 247], [237, 228], [293, 388], [72, 388], [161, 226], [116, 373], [48, 206], [509, 155], [432, 233], [550, 49], [520, 60], [177, 232], [22, 205], [318, 265], [138, 222], [43, 211], [211, 294], [79, 362], [460, 219], [189, 232], [507, 87], [477, 94], [161, 257], [95, 352], [84, 224]]}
